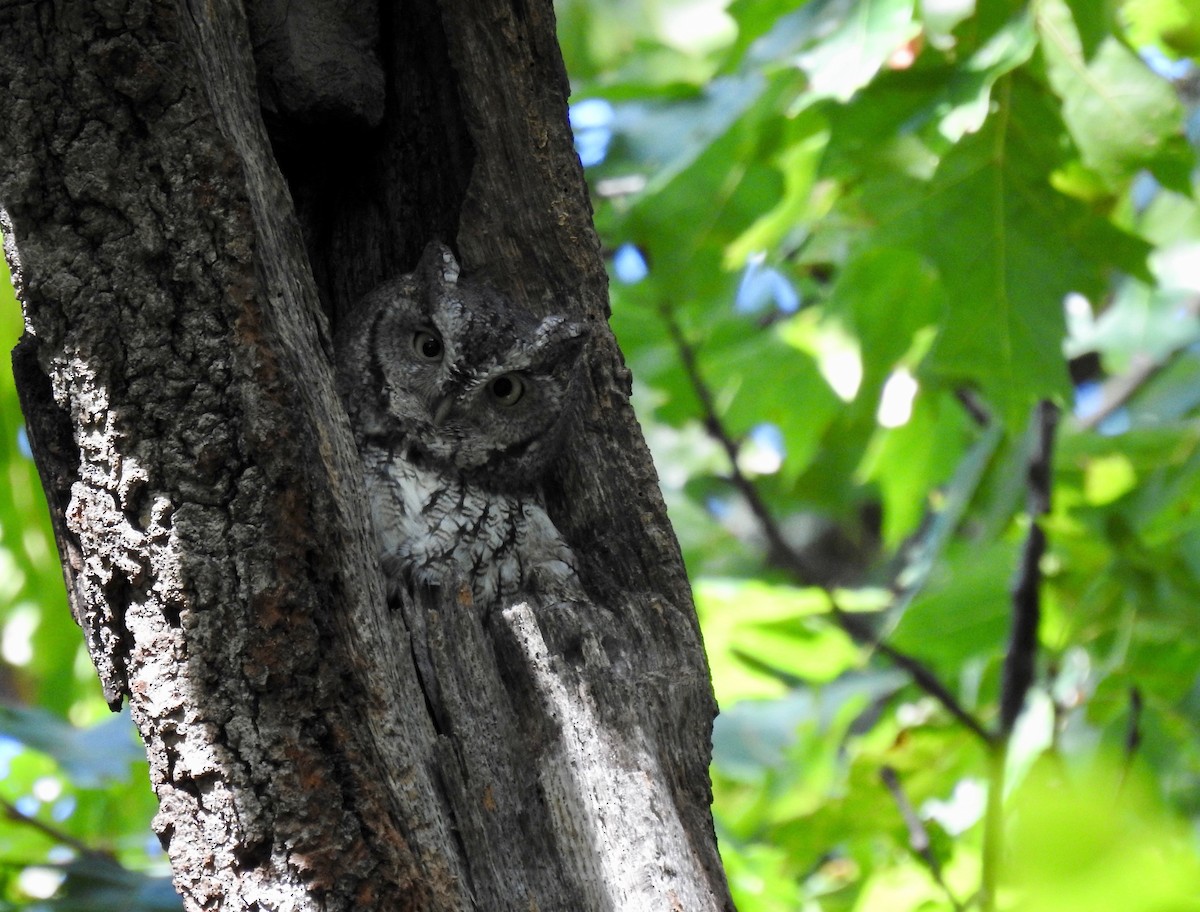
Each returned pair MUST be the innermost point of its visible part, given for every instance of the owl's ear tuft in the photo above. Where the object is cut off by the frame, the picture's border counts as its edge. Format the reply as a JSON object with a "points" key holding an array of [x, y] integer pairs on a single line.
{"points": [[438, 265], [564, 338], [558, 330]]}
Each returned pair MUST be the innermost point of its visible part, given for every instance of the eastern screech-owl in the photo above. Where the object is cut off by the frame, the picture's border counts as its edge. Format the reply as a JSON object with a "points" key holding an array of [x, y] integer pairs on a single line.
{"points": [[458, 401]]}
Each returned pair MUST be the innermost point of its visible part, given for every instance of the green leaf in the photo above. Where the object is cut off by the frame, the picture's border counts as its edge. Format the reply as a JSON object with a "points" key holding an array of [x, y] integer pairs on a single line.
{"points": [[762, 381], [933, 214], [663, 140], [1174, 24], [887, 296], [92, 756], [798, 162], [1008, 248], [967, 98], [856, 41], [1120, 114], [784, 627], [965, 612], [756, 19], [1071, 852], [909, 462], [752, 736]]}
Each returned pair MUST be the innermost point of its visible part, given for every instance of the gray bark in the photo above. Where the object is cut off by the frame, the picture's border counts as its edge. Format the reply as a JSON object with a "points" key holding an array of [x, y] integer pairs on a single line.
{"points": [[178, 268]]}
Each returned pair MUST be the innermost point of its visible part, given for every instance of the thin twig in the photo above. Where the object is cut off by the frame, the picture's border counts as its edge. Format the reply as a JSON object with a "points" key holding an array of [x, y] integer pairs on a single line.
{"points": [[1026, 602], [920, 673], [1133, 730], [781, 551], [1021, 657], [789, 557], [15, 814], [1133, 734], [1143, 367], [975, 407], [918, 835]]}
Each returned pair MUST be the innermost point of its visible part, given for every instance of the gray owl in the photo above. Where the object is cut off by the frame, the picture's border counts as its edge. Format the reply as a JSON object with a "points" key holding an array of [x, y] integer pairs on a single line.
{"points": [[459, 400]]}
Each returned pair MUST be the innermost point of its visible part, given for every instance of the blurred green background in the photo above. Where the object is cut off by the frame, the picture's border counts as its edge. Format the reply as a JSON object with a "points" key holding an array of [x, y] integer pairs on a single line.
{"points": [[852, 243]]}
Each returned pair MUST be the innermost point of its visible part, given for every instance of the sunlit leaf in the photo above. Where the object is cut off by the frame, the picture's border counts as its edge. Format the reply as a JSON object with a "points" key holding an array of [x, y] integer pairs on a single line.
{"points": [[1120, 113], [969, 92], [856, 40], [789, 631], [1099, 844], [798, 162], [1172, 23], [91, 756], [1009, 249]]}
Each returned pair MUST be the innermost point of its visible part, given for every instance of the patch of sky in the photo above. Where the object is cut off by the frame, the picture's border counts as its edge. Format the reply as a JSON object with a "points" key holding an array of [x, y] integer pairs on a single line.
{"points": [[629, 265], [763, 286], [591, 121], [1089, 398], [763, 451]]}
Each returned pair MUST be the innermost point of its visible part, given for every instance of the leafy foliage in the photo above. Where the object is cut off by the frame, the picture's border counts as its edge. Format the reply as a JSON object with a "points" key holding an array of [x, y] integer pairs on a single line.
{"points": [[854, 244]]}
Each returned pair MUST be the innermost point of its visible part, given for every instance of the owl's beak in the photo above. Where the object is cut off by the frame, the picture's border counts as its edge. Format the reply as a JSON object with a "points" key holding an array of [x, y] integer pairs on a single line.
{"points": [[441, 408]]}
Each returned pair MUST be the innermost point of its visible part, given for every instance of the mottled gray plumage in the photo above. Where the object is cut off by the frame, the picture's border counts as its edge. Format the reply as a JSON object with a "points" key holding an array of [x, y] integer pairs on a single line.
{"points": [[459, 401]]}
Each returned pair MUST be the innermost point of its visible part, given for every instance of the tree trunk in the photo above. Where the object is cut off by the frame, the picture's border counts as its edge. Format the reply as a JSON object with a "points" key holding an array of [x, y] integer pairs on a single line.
{"points": [[179, 269]]}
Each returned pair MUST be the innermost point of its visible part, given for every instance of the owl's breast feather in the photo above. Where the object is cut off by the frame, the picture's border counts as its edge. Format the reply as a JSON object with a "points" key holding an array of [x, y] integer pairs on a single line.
{"points": [[445, 532]]}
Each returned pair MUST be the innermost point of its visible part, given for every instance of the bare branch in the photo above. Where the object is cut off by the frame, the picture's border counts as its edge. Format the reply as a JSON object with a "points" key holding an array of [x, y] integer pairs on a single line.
{"points": [[781, 551], [920, 673], [1026, 603], [975, 406], [1021, 656], [918, 835], [1133, 732], [15, 814], [1143, 368], [790, 558]]}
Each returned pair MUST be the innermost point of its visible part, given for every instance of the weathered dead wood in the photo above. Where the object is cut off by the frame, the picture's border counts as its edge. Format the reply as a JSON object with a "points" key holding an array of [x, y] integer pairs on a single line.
{"points": [[176, 382]]}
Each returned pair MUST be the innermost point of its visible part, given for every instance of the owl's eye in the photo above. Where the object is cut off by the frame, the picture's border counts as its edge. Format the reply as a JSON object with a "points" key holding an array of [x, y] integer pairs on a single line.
{"points": [[427, 346], [507, 389]]}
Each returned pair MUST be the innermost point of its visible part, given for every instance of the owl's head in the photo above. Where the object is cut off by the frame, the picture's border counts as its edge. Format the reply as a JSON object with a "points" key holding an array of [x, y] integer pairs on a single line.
{"points": [[457, 376]]}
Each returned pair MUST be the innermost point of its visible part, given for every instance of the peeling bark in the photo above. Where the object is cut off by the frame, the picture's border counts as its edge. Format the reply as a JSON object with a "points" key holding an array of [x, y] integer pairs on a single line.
{"points": [[178, 267]]}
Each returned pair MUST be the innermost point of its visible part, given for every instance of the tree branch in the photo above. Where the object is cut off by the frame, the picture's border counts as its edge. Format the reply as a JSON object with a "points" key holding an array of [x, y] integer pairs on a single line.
{"points": [[1133, 732], [1026, 603], [781, 551], [15, 814], [975, 407], [789, 557], [921, 674], [1143, 368], [1021, 656], [918, 835]]}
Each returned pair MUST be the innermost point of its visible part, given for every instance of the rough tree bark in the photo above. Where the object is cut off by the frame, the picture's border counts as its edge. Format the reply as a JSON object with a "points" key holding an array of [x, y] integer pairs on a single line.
{"points": [[179, 266]]}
